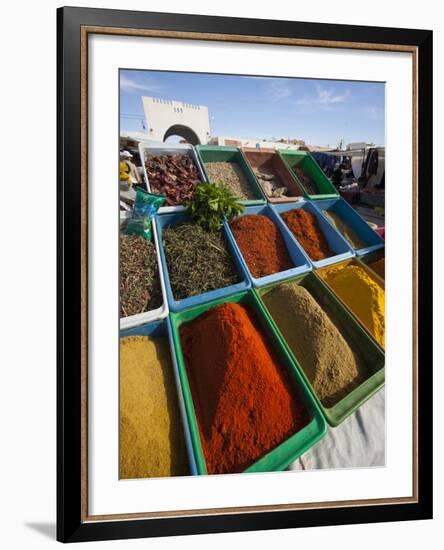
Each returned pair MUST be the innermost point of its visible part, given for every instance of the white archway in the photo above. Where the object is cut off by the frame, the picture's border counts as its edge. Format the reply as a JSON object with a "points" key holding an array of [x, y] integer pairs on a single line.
{"points": [[187, 133], [165, 117]]}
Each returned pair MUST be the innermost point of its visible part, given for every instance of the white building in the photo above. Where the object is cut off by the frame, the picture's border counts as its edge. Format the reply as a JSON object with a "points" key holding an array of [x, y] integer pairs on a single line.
{"points": [[257, 143], [166, 118]]}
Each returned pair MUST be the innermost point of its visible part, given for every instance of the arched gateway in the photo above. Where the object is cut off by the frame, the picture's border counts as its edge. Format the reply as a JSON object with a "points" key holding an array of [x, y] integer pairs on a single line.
{"points": [[183, 131], [166, 118]]}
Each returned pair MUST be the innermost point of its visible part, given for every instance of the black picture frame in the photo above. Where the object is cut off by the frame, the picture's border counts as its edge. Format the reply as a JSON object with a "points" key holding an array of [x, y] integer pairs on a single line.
{"points": [[71, 523]]}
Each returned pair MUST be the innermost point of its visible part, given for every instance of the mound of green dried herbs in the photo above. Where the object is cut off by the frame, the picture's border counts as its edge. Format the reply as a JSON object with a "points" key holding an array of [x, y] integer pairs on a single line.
{"points": [[139, 276], [198, 260]]}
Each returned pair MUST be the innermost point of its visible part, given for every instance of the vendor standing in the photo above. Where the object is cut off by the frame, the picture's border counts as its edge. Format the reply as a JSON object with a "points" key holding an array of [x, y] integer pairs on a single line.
{"points": [[338, 174], [128, 170]]}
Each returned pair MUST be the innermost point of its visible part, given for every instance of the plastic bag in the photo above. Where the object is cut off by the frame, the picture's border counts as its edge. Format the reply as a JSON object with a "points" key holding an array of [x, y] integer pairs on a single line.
{"points": [[145, 207]]}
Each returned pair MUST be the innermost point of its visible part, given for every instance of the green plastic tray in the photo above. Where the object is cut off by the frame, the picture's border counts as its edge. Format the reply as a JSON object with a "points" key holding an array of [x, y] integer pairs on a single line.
{"points": [[370, 353], [370, 273], [293, 447], [311, 168], [216, 153]]}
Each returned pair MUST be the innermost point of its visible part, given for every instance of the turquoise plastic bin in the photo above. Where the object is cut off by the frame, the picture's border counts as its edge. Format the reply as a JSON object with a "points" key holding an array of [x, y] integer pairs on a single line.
{"points": [[351, 218], [170, 220], [299, 258], [336, 242]]}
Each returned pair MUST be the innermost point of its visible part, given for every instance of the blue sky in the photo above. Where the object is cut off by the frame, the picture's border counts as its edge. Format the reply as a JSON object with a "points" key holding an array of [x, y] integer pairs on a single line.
{"points": [[319, 111]]}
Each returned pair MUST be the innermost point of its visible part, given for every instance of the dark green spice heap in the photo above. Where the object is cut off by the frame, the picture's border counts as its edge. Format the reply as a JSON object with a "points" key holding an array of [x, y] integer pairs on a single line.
{"points": [[139, 276], [198, 261]]}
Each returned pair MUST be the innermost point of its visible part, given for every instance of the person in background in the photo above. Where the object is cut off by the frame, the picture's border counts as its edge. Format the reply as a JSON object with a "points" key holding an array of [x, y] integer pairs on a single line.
{"points": [[124, 172], [381, 185], [128, 170], [338, 174]]}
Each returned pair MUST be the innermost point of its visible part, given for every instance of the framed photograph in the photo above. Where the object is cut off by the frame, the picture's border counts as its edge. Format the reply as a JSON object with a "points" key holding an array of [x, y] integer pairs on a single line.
{"points": [[236, 350]]}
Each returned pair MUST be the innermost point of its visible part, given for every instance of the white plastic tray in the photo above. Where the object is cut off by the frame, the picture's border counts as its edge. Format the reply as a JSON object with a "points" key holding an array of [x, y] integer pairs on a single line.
{"points": [[154, 149], [154, 314]]}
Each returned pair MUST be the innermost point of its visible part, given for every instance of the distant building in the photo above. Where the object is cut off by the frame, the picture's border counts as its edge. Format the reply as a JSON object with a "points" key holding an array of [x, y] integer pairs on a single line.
{"points": [[290, 144], [167, 118], [257, 143]]}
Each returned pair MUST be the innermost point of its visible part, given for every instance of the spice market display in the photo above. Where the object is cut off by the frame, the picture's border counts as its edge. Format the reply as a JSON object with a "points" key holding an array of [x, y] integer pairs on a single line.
{"points": [[230, 360]]}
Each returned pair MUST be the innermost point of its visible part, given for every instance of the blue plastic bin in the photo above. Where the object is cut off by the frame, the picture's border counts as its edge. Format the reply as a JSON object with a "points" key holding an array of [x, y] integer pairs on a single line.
{"points": [[336, 242], [170, 220], [300, 260], [354, 221], [160, 329]]}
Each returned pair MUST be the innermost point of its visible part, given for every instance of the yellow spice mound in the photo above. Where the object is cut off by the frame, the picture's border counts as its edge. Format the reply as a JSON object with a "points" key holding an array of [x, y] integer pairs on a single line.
{"points": [[151, 435], [345, 230], [364, 297]]}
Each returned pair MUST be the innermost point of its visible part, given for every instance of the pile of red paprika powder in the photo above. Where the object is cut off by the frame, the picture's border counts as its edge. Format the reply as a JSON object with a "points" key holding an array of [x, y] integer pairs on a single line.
{"points": [[244, 401], [261, 244], [305, 228]]}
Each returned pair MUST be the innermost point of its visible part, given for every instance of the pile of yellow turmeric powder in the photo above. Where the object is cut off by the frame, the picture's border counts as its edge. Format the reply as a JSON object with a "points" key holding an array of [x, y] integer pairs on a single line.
{"points": [[361, 293], [151, 435]]}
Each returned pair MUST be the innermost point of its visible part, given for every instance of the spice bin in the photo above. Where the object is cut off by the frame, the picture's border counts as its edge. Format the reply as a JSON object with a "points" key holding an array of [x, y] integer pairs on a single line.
{"points": [[371, 354], [148, 150], [350, 217], [170, 220], [302, 160], [299, 258], [269, 161], [336, 242], [215, 153], [159, 329], [353, 261], [285, 453], [372, 257], [155, 314]]}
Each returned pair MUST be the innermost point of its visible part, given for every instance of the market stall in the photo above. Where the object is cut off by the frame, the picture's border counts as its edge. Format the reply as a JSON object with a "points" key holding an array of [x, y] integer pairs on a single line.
{"points": [[252, 325]]}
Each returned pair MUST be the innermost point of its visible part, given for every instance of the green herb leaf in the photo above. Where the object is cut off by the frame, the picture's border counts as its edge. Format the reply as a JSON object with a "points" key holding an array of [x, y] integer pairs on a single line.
{"points": [[211, 204]]}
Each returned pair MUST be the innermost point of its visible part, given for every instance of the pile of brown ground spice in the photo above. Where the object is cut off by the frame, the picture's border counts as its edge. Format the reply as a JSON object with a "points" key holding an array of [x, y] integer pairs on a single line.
{"points": [[305, 228], [326, 358], [261, 245]]}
